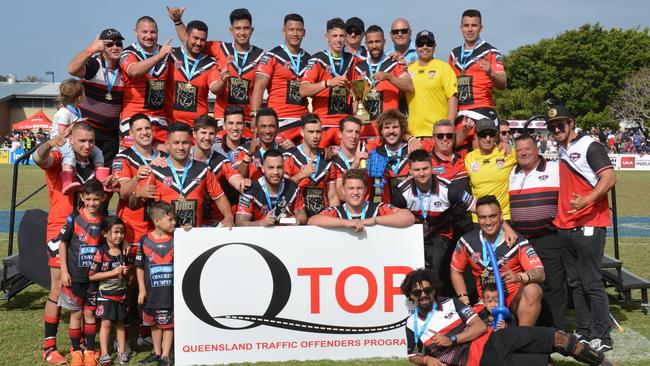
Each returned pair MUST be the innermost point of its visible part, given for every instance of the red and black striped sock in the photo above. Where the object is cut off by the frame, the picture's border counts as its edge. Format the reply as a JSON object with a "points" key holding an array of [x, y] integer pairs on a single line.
{"points": [[51, 327], [89, 335], [75, 338]]}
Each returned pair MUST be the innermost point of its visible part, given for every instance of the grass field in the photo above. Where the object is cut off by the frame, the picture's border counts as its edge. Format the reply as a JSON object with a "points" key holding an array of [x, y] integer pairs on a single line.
{"points": [[21, 319]]}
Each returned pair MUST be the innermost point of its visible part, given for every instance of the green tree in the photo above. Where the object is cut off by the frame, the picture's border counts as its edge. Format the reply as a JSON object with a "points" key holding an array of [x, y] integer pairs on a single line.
{"points": [[584, 68]]}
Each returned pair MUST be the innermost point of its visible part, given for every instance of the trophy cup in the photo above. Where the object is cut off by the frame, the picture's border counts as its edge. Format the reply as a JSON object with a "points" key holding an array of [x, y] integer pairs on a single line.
{"points": [[282, 213], [359, 90]]}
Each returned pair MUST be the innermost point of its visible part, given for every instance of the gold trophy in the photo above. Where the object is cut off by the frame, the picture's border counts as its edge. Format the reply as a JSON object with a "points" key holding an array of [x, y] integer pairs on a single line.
{"points": [[359, 91]]}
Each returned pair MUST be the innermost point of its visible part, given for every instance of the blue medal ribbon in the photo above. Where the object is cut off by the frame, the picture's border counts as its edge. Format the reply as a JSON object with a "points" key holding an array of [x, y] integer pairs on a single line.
{"points": [[179, 182], [145, 55], [348, 214], [372, 70], [111, 82], [244, 59], [74, 110], [262, 151], [315, 173], [395, 166], [348, 163], [485, 243], [144, 160], [294, 65], [334, 71], [271, 204], [417, 333], [423, 207], [465, 55], [186, 65]]}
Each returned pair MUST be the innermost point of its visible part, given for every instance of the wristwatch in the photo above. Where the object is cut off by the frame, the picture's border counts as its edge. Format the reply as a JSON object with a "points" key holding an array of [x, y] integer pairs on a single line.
{"points": [[453, 340]]}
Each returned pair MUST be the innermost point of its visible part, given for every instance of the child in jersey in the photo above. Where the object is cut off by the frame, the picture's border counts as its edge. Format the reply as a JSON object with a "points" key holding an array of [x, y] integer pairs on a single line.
{"points": [[71, 93], [155, 273], [79, 240], [490, 300], [110, 268]]}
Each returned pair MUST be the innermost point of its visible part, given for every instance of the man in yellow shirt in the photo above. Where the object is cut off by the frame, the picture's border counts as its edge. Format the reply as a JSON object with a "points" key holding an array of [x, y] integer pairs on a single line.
{"points": [[489, 168], [435, 88]]}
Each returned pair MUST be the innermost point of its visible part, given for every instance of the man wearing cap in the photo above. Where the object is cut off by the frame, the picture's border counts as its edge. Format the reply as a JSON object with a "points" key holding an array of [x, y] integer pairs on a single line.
{"points": [[479, 68], [434, 97], [586, 175], [355, 30], [98, 68], [489, 168]]}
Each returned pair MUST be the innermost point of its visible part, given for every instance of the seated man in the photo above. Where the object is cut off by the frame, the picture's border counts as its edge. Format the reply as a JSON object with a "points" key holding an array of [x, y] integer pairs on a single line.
{"points": [[520, 267], [356, 212], [444, 331], [272, 199]]}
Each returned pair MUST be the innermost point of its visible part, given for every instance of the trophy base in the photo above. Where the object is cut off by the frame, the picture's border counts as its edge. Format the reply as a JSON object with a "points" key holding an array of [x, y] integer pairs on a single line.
{"points": [[287, 221]]}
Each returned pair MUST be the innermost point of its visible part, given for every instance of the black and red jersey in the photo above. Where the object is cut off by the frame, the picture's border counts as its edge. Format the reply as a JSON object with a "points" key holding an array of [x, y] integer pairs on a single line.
{"points": [[100, 107], [370, 210], [332, 103], [112, 288], [144, 94], [284, 71], [436, 202], [255, 166], [83, 237], [156, 257], [187, 95], [447, 169], [254, 202], [580, 164], [383, 95], [313, 188], [242, 67], [223, 170]]}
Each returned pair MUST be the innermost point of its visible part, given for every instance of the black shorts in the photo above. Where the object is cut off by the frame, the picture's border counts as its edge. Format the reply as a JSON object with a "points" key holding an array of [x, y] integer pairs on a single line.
{"points": [[111, 310], [108, 142], [160, 318]]}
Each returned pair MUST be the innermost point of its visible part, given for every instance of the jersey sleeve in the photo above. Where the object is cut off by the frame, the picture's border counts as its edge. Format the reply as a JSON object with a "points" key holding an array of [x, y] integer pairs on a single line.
{"points": [[121, 169], [246, 205], [213, 48], [91, 67], [228, 170], [465, 312], [459, 259], [96, 264], [290, 168], [397, 198], [126, 60], [597, 158], [67, 230], [140, 257], [450, 82], [386, 209], [458, 195], [213, 75], [266, 65], [299, 202], [459, 171], [313, 72], [496, 61], [212, 186], [528, 258], [331, 212]]}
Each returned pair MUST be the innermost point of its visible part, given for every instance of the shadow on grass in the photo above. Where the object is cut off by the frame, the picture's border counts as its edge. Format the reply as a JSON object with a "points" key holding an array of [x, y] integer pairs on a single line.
{"points": [[31, 298]]}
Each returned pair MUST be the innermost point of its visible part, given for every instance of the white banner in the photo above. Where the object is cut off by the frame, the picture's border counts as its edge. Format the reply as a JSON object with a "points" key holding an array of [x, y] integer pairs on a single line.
{"points": [[291, 293], [630, 161]]}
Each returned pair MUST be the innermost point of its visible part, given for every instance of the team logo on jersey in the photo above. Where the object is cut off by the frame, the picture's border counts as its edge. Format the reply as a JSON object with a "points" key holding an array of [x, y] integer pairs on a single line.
{"points": [[287, 65], [99, 311], [475, 166], [328, 69], [167, 181], [432, 73], [437, 204], [574, 156], [476, 257], [83, 236], [178, 64], [230, 58], [500, 163], [439, 170], [362, 74], [543, 177], [449, 315]]}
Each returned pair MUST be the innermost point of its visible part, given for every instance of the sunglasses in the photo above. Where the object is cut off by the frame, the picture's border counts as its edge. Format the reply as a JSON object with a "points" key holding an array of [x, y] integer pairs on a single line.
{"points": [[354, 32], [448, 136], [505, 133], [424, 43], [556, 126], [484, 134], [398, 31], [111, 44], [427, 291]]}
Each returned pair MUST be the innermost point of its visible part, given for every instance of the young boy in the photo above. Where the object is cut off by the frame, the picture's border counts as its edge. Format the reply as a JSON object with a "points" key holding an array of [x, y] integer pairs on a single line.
{"points": [[155, 272], [490, 300], [80, 239]]}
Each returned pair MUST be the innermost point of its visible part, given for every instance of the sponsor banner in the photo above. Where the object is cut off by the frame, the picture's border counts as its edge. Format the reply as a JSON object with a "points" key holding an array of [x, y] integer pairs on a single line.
{"points": [[291, 293], [630, 162]]}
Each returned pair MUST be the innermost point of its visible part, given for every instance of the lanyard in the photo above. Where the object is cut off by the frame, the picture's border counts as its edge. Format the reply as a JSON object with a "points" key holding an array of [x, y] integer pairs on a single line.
{"points": [[315, 173], [417, 333], [345, 160], [145, 55], [271, 204], [465, 55], [348, 214], [423, 207], [395, 166], [372, 70], [262, 151], [73, 110], [334, 71], [144, 160], [111, 82], [207, 160], [179, 182], [186, 65], [294, 65], [485, 243], [244, 59]]}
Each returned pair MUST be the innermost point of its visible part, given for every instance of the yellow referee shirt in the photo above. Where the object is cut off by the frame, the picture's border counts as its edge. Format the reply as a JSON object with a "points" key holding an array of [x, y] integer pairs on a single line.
{"points": [[489, 174], [433, 85]]}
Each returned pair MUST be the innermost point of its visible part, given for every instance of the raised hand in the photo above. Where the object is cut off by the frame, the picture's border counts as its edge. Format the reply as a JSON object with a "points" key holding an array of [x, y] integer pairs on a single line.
{"points": [[97, 45], [175, 13]]}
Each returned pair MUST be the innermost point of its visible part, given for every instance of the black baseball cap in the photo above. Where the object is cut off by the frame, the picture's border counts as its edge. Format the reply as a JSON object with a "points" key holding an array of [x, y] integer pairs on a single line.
{"points": [[355, 22], [110, 34], [556, 113], [425, 34], [485, 124]]}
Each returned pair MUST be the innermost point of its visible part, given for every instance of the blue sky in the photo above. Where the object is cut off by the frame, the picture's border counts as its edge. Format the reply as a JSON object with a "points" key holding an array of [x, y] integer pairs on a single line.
{"points": [[44, 35]]}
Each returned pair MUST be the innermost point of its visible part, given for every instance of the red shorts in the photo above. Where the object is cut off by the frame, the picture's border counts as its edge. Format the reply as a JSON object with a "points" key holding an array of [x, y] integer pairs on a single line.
{"points": [[160, 318]]}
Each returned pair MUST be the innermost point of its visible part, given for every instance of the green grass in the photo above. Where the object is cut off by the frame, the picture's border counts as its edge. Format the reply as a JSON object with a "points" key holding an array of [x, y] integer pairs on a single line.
{"points": [[21, 318]]}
